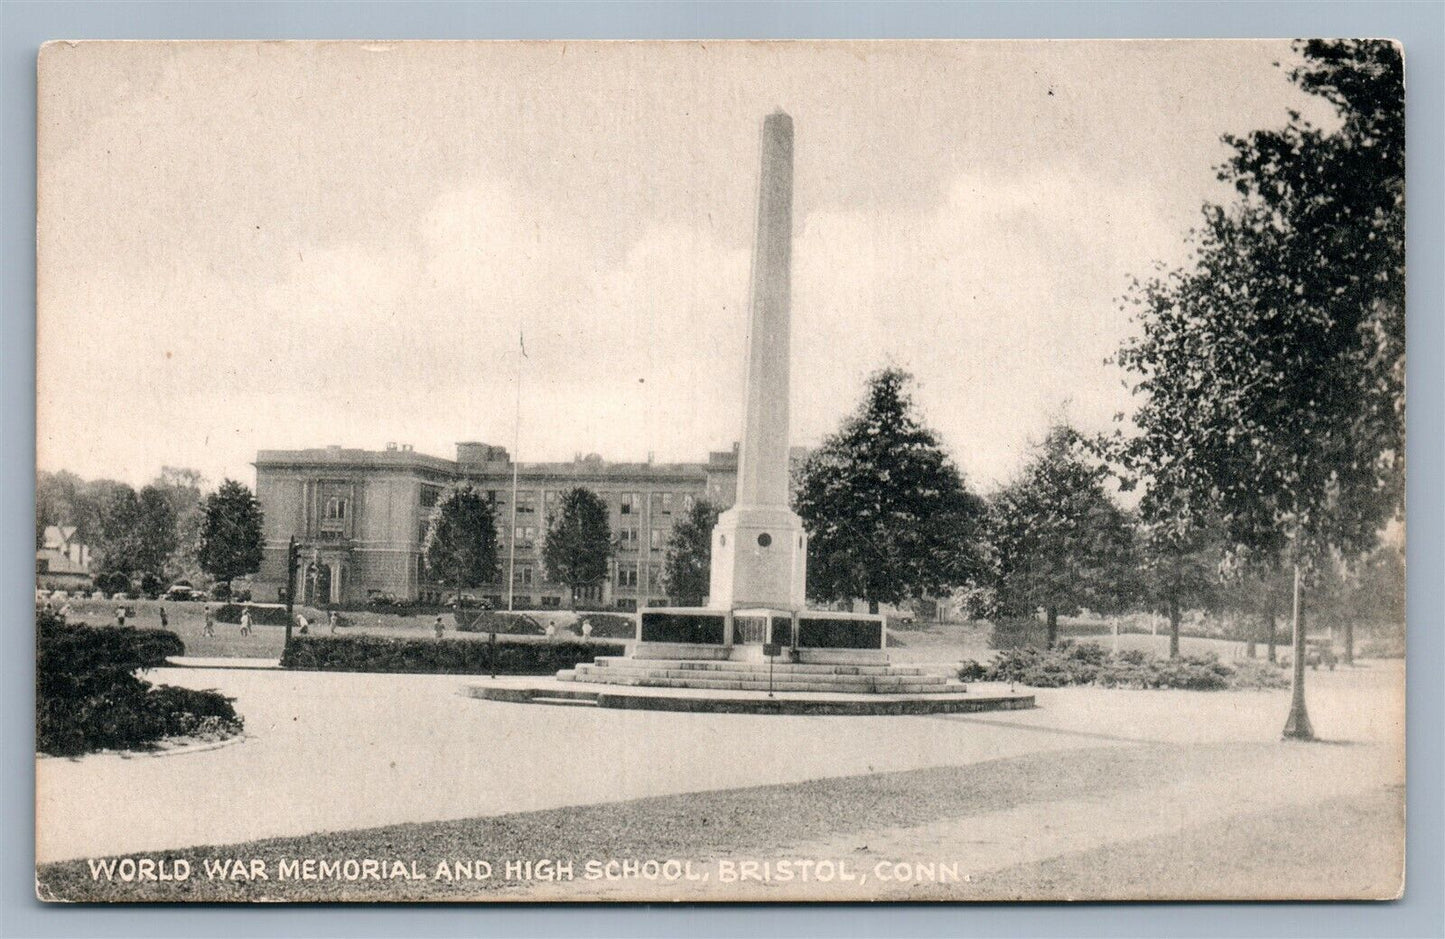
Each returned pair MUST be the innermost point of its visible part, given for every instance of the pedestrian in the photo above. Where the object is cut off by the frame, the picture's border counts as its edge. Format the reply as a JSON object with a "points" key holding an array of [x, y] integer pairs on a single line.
{"points": [[331, 619], [120, 616], [161, 610], [586, 629], [302, 626], [246, 621], [210, 628], [439, 627]]}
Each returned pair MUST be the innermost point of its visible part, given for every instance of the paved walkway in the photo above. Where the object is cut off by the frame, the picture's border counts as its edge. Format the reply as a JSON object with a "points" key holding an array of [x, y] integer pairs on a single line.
{"points": [[333, 751]]}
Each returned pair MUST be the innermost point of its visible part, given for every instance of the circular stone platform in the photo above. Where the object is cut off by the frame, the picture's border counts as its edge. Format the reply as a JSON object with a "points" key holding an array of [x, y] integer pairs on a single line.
{"points": [[717, 701]]}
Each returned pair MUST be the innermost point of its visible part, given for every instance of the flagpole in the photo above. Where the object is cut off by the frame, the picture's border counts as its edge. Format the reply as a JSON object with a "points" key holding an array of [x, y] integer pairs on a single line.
{"points": [[516, 445]]}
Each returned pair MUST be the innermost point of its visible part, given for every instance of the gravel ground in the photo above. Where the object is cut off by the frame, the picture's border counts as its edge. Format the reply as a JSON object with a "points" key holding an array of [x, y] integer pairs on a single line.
{"points": [[1338, 846]]}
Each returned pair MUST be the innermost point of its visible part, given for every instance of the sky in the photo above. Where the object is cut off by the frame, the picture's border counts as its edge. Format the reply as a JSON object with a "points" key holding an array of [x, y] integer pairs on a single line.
{"points": [[283, 245]]}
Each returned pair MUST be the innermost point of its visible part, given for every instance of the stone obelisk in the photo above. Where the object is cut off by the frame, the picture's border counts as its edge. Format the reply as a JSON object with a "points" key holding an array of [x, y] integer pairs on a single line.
{"points": [[759, 549]]}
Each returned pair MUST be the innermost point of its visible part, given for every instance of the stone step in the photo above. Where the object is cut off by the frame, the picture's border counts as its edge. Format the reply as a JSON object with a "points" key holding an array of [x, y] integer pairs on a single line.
{"points": [[588, 673], [565, 701], [779, 667], [751, 684]]}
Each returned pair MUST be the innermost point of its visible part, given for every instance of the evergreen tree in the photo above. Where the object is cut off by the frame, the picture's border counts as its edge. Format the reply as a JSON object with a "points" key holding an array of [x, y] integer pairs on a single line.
{"points": [[579, 542], [687, 568], [231, 538], [1060, 542], [887, 513], [461, 542]]}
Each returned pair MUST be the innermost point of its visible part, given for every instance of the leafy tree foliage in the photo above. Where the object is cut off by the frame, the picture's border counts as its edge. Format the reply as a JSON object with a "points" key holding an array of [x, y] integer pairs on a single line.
{"points": [[1271, 371], [887, 512], [183, 489], [231, 539], [461, 543], [1178, 569], [119, 545], [1272, 368], [579, 542], [1060, 541], [687, 567]]}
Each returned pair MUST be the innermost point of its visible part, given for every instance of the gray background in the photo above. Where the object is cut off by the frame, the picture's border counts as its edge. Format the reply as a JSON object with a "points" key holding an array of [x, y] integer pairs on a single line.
{"points": [[1421, 26]]}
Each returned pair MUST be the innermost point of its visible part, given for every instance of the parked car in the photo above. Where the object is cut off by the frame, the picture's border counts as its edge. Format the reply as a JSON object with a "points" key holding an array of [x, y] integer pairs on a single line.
{"points": [[1320, 652], [182, 592]]}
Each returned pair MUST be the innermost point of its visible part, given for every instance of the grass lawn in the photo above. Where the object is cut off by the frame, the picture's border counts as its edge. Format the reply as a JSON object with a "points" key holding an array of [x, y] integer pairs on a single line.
{"points": [[187, 620]]}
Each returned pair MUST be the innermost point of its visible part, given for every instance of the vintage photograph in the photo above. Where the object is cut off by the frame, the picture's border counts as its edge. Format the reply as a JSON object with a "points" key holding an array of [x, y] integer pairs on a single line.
{"points": [[720, 471]]}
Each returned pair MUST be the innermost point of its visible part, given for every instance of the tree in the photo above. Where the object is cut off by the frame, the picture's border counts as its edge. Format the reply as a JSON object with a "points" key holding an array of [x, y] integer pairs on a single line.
{"points": [[687, 569], [1060, 541], [579, 542], [119, 545], [1179, 567], [461, 543], [157, 535], [1271, 369], [887, 512], [183, 489], [231, 539], [56, 495]]}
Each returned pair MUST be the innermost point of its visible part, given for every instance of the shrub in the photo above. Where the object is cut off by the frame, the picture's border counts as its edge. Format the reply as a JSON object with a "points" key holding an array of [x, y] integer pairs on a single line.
{"points": [[264, 614], [88, 696], [440, 656], [220, 590], [970, 670], [151, 585], [501, 622], [1090, 664]]}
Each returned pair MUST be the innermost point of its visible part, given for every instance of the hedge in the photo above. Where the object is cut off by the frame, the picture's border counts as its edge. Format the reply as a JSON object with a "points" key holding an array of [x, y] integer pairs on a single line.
{"points": [[440, 656], [1090, 664], [504, 623], [269, 614], [88, 696]]}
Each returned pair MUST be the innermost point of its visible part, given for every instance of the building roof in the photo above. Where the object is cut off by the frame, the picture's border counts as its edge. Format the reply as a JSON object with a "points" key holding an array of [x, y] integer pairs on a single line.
{"points": [[589, 467], [58, 536]]}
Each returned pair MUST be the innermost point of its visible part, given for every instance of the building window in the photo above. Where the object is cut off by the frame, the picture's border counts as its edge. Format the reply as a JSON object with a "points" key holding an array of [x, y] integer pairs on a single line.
{"points": [[523, 575], [627, 505], [335, 510], [526, 503], [659, 540], [662, 503], [430, 495], [627, 575], [627, 538], [688, 500]]}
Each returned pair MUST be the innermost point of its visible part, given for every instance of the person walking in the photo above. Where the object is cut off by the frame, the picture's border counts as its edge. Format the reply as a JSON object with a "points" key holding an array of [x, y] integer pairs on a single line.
{"points": [[209, 629], [439, 627], [161, 611], [331, 618], [302, 626], [120, 616], [246, 621]]}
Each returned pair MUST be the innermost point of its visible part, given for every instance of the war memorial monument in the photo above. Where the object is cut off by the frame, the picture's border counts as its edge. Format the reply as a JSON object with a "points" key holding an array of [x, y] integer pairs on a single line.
{"points": [[756, 637]]}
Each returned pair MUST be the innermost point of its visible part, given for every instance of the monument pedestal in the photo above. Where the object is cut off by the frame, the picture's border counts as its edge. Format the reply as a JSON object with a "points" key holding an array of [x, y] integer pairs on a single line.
{"points": [[759, 559]]}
